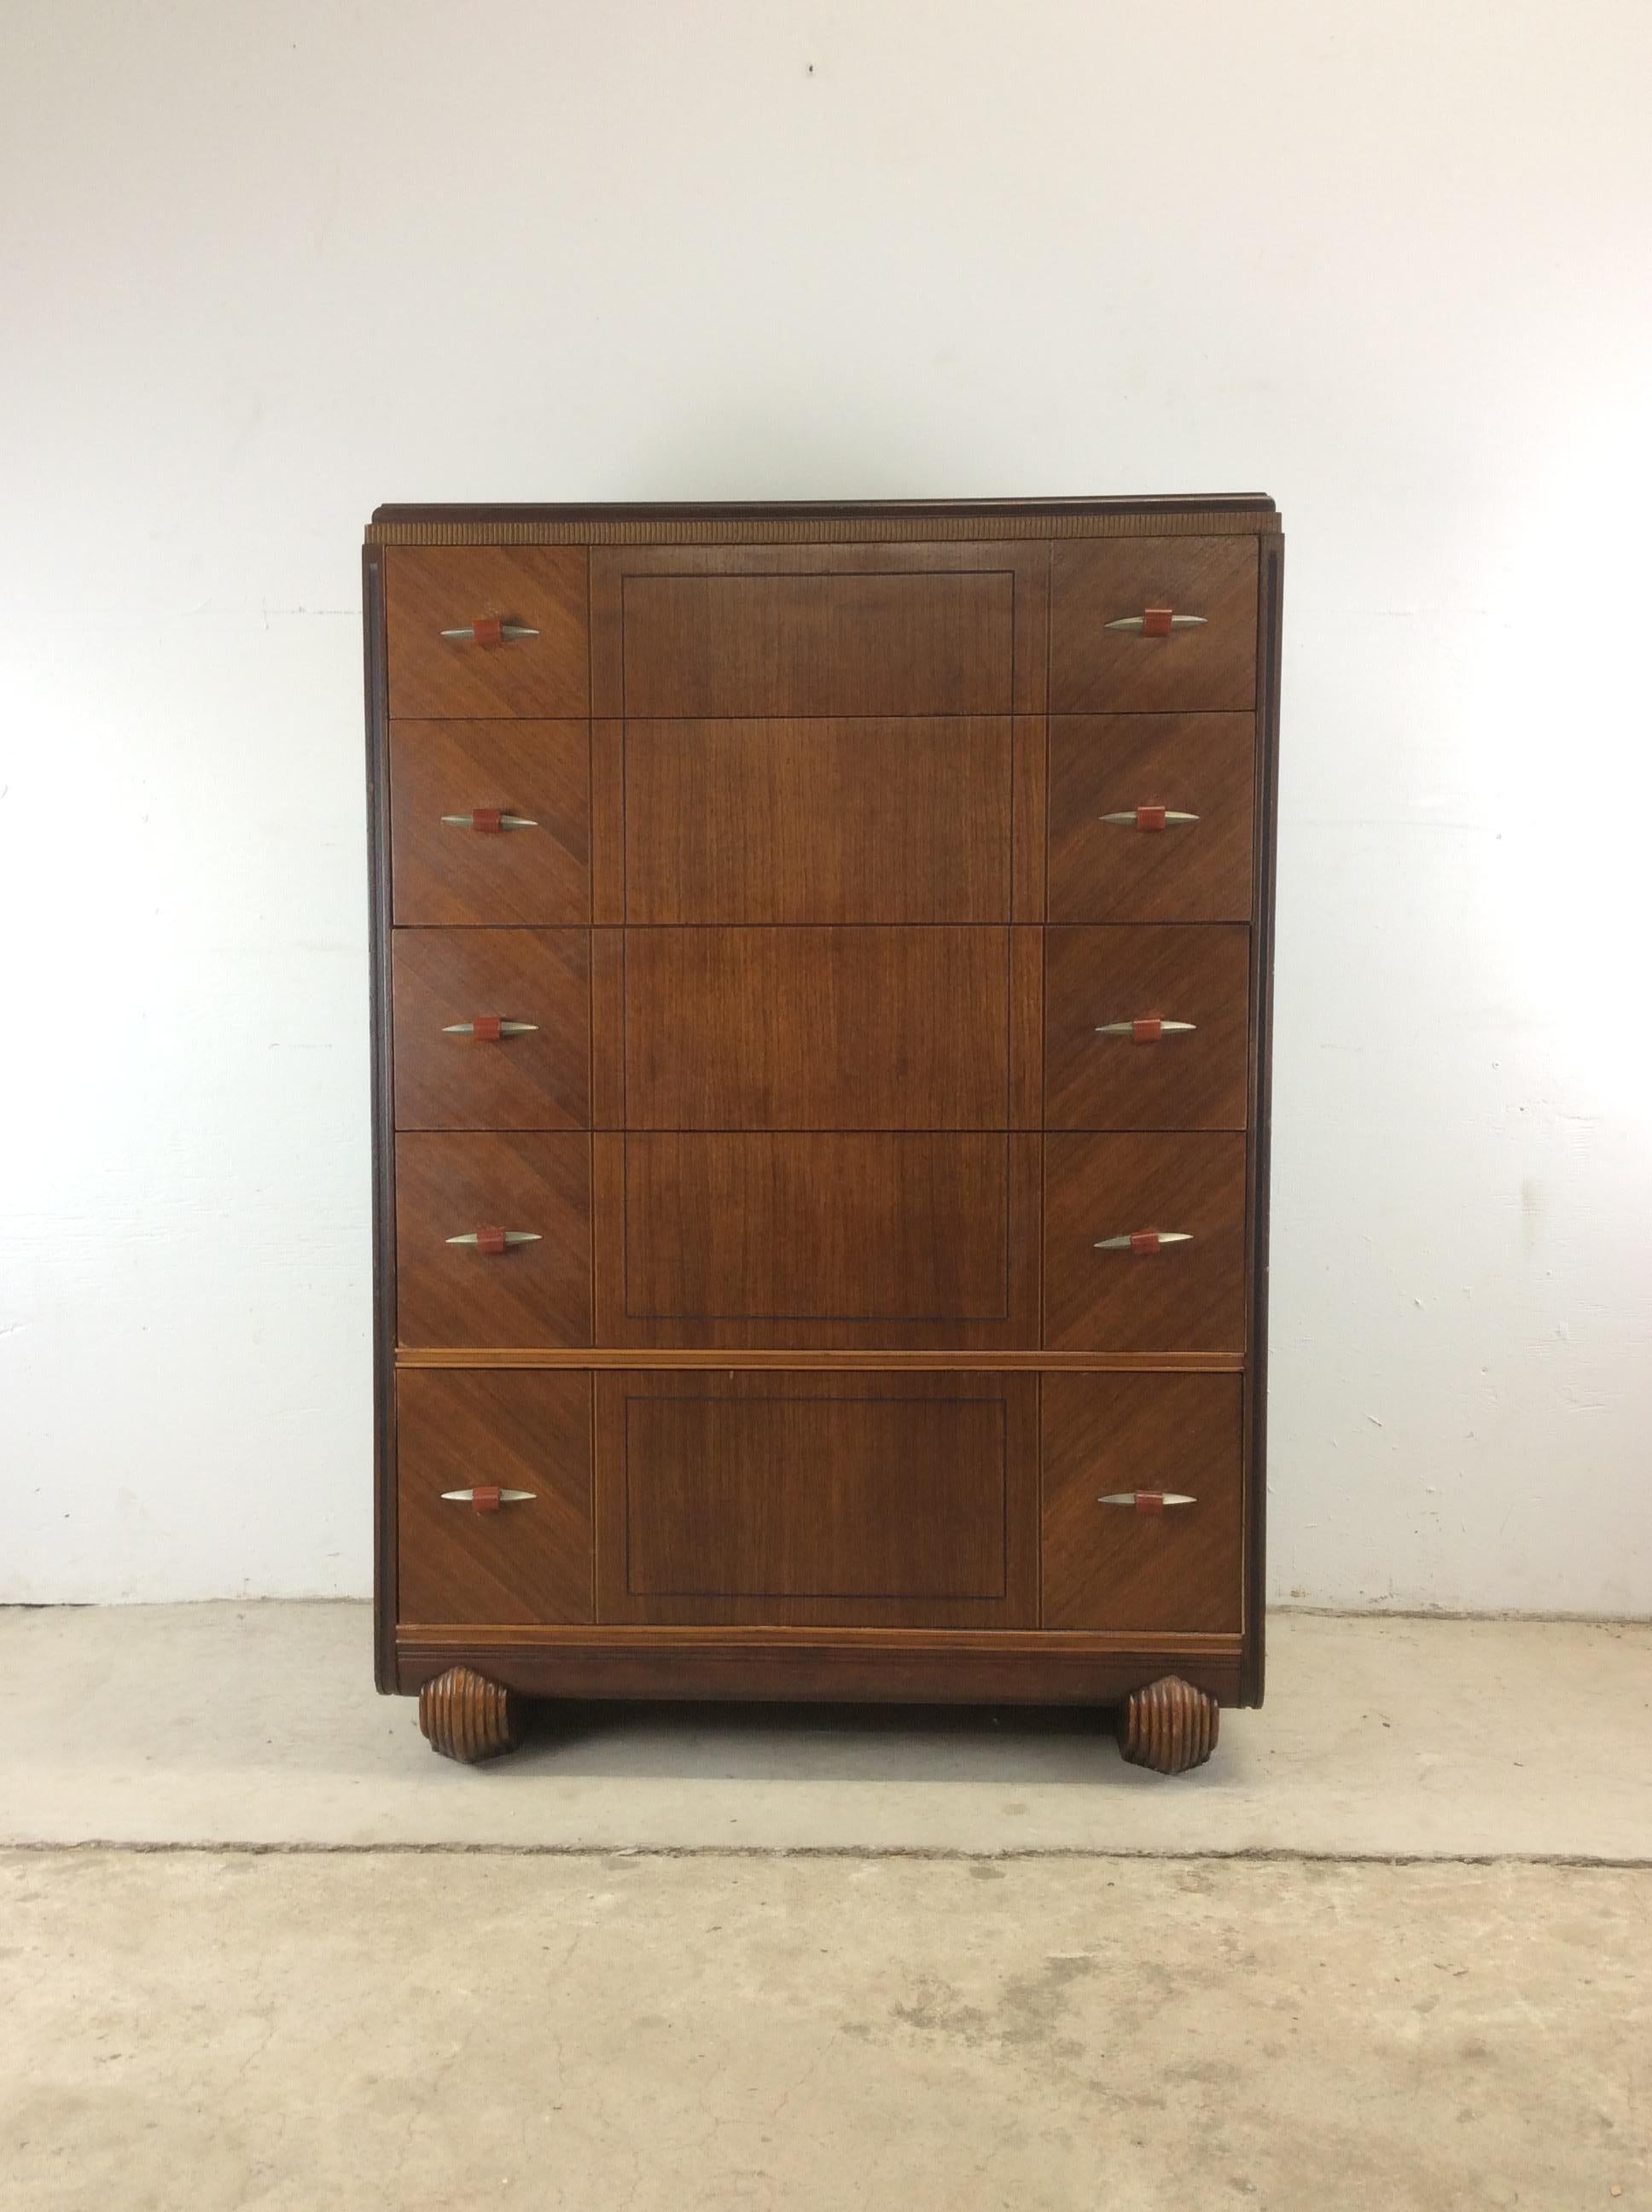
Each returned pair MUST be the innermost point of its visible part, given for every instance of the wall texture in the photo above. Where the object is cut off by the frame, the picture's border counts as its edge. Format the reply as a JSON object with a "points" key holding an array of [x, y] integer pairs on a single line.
{"points": [[265, 267]]}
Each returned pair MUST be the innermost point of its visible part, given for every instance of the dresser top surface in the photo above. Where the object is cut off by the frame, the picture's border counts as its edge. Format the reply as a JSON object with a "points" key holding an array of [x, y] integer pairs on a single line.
{"points": [[1241, 513]]}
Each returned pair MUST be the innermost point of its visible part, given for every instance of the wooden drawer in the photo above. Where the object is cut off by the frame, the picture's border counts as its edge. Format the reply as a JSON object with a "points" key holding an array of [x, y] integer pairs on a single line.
{"points": [[1181, 1298], [540, 1080], [826, 821], [1104, 870], [537, 773], [530, 1559], [1208, 665], [532, 1293], [430, 589], [818, 629], [1173, 1571], [825, 1029], [854, 1497], [832, 1240], [1124, 979]]}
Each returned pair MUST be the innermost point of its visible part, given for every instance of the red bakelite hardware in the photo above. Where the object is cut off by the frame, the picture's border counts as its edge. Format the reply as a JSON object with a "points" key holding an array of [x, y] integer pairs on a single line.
{"points": [[490, 1240], [485, 1498], [489, 818], [1149, 1029], [1144, 1241], [488, 629], [485, 1028], [1147, 1501], [1150, 817], [1156, 622]]}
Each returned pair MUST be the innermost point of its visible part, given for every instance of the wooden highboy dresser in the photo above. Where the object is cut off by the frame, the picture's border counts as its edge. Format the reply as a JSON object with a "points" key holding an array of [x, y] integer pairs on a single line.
{"points": [[821, 1068]]}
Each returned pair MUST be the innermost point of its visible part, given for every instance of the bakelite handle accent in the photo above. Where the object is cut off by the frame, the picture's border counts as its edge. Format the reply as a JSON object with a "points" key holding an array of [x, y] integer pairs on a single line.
{"points": [[1142, 1243], [1146, 1501], [1158, 622], [489, 629], [491, 820], [490, 1241], [1149, 817], [486, 1028], [1146, 1029]]}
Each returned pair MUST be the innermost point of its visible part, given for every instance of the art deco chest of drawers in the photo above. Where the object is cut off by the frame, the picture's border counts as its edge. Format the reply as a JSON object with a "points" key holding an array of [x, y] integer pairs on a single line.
{"points": [[821, 1014]]}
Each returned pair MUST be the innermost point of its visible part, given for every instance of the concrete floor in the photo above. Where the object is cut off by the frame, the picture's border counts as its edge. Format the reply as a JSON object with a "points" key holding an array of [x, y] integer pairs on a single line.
{"points": [[947, 1963]]}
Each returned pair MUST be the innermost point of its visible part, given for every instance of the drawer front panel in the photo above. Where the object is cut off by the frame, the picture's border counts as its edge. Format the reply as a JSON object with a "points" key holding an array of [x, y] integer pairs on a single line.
{"points": [[842, 1498], [531, 1560], [832, 1240], [1207, 664], [541, 589], [823, 822], [816, 1029], [1101, 870], [1112, 1565], [539, 1078], [535, 1293], [445, 870], [1181, 1298], [1097, 980]]}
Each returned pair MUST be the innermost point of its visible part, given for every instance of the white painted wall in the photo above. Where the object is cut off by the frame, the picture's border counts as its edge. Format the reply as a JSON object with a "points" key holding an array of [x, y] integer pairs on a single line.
{"points": [[267, 266]]}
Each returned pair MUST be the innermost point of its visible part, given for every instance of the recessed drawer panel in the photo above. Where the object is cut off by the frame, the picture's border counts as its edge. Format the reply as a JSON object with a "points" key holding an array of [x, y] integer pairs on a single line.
{"points": [[816, 1029], [818, 821], [1151, 817], [825, 1239], [487, 629], [818, 645], [493, 1239], [847, 1497], [492, 1029], [1152, 624], [1146, 1028], [1142, 1485], [491, 822], [1144, 1243], [517, 1547]]}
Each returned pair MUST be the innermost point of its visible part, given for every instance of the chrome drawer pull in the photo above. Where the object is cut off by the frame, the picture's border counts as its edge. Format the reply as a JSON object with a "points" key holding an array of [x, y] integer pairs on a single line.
{"points": [[1158, 622], [489, 818], [1146, 1501], [488, 630], [1144, 1242], [497, 1240], [489, 1028], [1150, 817], [488, 1497], [1147, 1029]]}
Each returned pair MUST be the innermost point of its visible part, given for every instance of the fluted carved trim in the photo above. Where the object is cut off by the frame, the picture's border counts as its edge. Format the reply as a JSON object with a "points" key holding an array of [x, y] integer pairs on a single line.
{"points": [[466, 1716], [1169, 1726]]}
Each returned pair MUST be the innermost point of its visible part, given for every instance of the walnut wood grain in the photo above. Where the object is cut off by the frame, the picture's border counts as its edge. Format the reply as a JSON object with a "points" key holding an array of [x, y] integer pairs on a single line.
{"points": [[447, 1185], [529, 1561], [1185, 1298], [537, 769], [467, 1717], [1108, 1567], [429, 589], [1199, 1079], [1201, 764], [901, 1666], [539, 1081], [854, 1498], [824, 821], [813, 1027], [1096, 669], [731, 1357], [1169, 1726], [780, 630], [832, 1240]]}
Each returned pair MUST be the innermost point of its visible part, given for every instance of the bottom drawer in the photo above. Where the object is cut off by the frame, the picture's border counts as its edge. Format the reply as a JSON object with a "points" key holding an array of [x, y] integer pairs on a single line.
{"points": [[1108, 1565], [526, 1561], [850, 1498]]}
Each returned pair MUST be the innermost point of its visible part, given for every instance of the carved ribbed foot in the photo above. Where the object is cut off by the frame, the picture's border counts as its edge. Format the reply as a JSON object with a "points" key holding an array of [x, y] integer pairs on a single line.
{"points": [[465, 1715], [1169, 1726]]}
